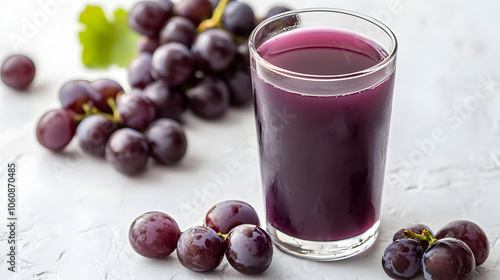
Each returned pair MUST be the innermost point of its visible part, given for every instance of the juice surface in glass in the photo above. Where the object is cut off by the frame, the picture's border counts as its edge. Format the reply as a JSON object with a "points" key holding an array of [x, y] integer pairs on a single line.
{"points": [[322, 155]]}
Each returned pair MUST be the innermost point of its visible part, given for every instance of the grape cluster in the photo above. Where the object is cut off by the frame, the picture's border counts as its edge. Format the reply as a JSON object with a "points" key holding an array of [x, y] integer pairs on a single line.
{"points": [[192, 49], [190, 55], [198, 48], [125, 128], [231, 228], [452, 254]]}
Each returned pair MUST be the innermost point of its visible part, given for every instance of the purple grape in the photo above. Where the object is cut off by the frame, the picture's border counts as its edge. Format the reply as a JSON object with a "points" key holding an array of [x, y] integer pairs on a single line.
{"points": [[239, 18], [448, 259], [56, 129], [209, 98], [226, 215], [147, 44], [104, 89], [93, 133], [18, 71], [172, 63], [416, 228], [402, 258], [194, 10], [169, 103], [127, 150], [471, 234], [148, 17], [178, 29], [139, 71], [282, 22], [135, 110], [154, 235], [240, 86], [75, 94], [214, 50], [276, 11], [200, 249], [249, 249], [167, 141]]}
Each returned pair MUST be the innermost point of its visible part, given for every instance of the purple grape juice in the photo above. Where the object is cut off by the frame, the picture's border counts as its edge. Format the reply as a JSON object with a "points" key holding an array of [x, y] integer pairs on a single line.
{"points": [[322, 152]]}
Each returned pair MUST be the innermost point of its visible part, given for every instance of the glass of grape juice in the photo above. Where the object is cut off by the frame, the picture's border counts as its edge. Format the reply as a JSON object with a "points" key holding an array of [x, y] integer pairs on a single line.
{"points": [[323, 81]]}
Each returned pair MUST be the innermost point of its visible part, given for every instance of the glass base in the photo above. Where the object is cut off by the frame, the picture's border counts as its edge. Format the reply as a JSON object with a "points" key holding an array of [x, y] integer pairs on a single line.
{"points": [[324, 250]]}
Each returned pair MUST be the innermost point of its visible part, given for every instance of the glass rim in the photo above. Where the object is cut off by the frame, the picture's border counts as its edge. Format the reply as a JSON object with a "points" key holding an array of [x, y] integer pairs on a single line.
{"points": [[312, 77]]}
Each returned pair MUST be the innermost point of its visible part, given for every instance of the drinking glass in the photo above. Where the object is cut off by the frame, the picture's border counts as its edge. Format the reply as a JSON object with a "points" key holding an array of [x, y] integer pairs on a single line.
{"points": [[323, 81]]}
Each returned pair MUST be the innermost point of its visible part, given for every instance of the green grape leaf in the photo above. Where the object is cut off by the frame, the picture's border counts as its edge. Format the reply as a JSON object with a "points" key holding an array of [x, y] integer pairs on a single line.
{"points": [[106, 42]]}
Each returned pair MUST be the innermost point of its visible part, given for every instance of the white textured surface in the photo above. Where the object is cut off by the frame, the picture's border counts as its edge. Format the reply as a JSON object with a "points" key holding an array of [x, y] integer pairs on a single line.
{"points": [[74, 211]]}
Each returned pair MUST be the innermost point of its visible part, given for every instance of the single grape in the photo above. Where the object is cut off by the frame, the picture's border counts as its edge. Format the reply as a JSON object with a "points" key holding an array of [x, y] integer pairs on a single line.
{"points": [[416, 228], [209, 98], [93, 133], [239, 18], [194, 10], [18, 71], [275, 11], [127, 150], [249, 249], [104, 89], [200, 249], [147, 44], [226, 215], [139, 71], [135, 110], [74, 94], [178, 29], [56, 129], [448, 259], [172, 63], [167, 141], [471, 234], [240, 85], [402, 258], [284, 21], [169, 103], [214, 50], [148, 17], [154, 235]]}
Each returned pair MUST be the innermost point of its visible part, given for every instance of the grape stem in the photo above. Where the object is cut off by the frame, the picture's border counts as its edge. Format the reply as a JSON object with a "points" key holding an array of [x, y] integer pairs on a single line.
{"points": [[426, 236], [112, 104], [222, 235], [216, 19], [88, 110], [91, 110]]}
